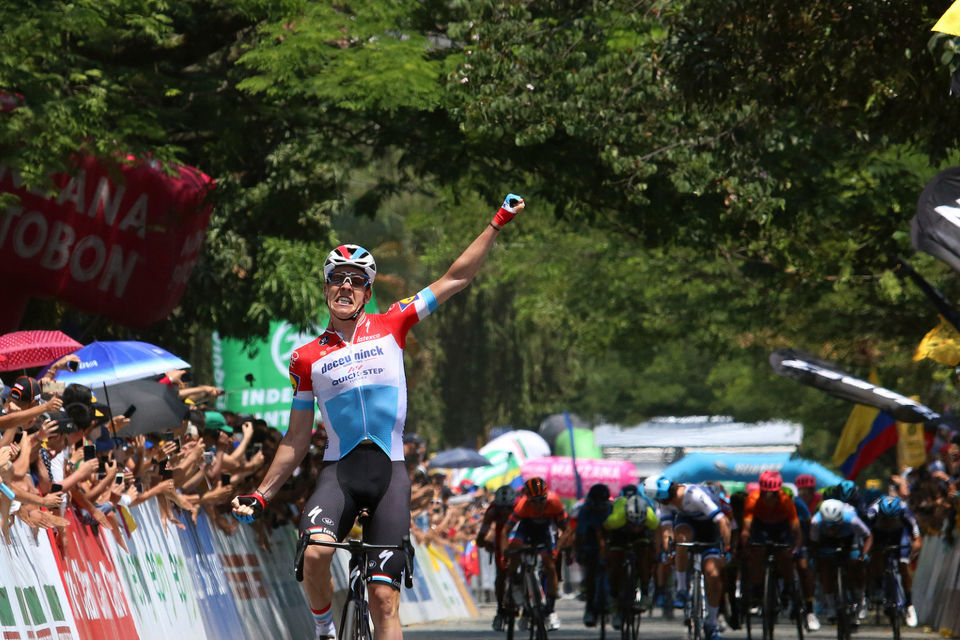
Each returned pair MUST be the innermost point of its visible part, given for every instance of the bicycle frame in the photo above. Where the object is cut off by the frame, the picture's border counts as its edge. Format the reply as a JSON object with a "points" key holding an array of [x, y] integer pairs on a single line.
{"points": [[631, 592], [355, 617], [845, 600]]}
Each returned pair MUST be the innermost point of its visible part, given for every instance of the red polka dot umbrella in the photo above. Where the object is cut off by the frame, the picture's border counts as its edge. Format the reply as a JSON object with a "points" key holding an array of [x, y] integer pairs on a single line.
{"points": [[27, 349]]}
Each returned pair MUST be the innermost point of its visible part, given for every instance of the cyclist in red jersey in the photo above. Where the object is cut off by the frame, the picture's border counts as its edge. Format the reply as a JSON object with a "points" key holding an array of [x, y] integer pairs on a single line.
{"points": [[354, 374], [769, 515], [497, 515], [536, 520]]}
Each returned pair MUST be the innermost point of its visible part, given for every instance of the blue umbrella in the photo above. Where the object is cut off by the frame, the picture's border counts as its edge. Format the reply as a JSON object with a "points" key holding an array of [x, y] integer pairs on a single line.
{"points": [[116, 361], [458, 458]]}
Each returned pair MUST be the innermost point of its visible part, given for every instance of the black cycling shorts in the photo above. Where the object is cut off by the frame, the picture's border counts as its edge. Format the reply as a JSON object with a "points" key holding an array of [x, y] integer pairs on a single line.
{"points": [[364, 478]]}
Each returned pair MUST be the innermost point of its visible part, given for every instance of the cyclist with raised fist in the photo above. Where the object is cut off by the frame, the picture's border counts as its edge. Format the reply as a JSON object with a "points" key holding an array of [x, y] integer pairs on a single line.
{"points": [[354, 373]]}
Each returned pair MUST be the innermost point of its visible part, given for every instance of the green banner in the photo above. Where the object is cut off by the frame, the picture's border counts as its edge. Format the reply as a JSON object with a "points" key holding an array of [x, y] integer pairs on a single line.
{"points": [[255, 377]]}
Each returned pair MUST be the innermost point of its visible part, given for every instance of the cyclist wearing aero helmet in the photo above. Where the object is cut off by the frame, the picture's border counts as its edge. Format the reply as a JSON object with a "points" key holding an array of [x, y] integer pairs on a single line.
{"points": [[354, 373]]}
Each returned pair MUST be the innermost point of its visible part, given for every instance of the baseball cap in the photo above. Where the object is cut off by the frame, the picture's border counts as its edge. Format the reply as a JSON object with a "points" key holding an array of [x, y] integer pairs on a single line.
{"points": [[25, 389], [215, 420]]}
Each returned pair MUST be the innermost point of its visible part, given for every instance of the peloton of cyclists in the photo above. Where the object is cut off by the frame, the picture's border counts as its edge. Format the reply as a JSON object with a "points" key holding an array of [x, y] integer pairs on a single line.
{"points": [[537, 518], [691, 513]]}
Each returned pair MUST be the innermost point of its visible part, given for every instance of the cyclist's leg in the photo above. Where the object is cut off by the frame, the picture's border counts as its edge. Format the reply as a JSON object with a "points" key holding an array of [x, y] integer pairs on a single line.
{"points": [[683, 532], [389, 523], [615, 569], [327, 515]]}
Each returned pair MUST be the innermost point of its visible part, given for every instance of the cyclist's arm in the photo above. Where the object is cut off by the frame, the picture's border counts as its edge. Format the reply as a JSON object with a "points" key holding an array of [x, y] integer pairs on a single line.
{"points": [[867, 544], [724, 525], [797, 534], [290, 452], [464, 268]]}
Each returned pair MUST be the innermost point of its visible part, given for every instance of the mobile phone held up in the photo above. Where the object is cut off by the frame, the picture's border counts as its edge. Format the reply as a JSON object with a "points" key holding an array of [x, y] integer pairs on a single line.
{"points": [[224, 479], [130, 411], [89, 452], [118, 479], [73, 365]]}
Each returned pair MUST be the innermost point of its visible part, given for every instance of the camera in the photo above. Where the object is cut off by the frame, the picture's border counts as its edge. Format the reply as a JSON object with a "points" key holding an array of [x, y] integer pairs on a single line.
{"points": [[73, 365]]}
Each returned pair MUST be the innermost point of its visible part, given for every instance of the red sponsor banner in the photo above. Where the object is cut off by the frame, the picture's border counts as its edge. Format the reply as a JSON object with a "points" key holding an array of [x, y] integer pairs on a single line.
{"points": [[94, 589], [120, 241], [245, 575]]}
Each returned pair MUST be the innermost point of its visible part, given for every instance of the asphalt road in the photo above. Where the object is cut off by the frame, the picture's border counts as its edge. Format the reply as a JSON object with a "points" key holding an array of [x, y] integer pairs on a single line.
{"points": [[655, 628]]}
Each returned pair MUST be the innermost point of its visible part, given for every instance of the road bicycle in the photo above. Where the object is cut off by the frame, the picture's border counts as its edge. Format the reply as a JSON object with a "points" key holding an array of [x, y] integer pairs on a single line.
{"points": [[696, 610], [846, 603], [894, 595], [524, 593], [355, 617], [631, 593], [770, 598]]}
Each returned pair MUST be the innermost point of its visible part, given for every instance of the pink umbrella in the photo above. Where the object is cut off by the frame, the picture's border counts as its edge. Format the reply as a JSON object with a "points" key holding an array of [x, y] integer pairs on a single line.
{"points": [[26, 349]]}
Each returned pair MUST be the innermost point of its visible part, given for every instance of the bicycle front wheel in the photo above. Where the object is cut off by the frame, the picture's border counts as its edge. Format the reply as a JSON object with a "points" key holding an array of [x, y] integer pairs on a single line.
{"points": [[799, 609], [843, 608], [697, 606], [894, 602], [769, 602]]}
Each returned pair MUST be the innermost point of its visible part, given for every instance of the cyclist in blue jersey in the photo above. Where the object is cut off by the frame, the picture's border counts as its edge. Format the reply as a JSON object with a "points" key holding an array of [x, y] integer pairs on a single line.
{"points": [[354, 374], [893, 524]]}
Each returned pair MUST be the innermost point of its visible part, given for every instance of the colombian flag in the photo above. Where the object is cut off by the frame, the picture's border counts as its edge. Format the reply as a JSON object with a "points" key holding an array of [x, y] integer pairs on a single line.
{"points": [[882, 436]]}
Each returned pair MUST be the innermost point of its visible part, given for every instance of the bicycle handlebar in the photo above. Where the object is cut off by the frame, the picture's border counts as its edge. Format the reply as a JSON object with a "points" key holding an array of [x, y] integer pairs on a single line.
{"points": [[699, 545], [356, 548]]}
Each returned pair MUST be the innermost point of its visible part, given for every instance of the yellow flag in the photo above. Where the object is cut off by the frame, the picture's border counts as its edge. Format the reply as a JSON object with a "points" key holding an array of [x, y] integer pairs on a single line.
{"points": [[941, 344], [949, 22], [857, 427], [911, 447]]}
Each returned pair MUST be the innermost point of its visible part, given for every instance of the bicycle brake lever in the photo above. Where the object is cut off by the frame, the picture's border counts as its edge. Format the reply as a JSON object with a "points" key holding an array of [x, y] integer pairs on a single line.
{"points": [[301, 547]]}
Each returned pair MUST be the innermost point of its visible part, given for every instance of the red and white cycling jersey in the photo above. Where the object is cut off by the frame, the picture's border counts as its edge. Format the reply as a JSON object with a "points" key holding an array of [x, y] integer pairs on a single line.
{"points": [[360, 386]]}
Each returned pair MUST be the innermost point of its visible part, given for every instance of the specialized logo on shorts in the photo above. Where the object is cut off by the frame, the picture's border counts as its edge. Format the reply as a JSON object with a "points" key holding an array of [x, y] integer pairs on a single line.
{"points": [[313, 514], [406, 302]]}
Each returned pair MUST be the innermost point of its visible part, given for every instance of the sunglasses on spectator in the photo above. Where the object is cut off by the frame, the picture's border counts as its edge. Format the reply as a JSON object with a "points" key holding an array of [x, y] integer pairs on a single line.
{"points": [[355, 279]]}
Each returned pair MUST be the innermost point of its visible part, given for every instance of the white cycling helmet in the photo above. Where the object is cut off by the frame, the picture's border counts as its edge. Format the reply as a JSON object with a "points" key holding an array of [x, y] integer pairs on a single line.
{"points": [[657, 487], [350, 255], [636, 509], [831, 511]]}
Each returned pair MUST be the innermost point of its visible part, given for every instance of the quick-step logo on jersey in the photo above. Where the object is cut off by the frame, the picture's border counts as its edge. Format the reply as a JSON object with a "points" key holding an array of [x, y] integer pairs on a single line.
{"points": [[360, 386]]}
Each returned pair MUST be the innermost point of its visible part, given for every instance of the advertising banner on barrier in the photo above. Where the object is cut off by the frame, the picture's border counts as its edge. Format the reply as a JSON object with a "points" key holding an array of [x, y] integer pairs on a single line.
{"points": [[32, 598], [99, 604], [156, 578], [257, 600], [221, 620]]}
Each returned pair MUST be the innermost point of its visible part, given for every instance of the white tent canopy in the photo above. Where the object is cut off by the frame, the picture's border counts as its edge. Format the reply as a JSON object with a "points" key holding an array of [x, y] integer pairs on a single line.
{"points": [[700, 431], [654, 444]]}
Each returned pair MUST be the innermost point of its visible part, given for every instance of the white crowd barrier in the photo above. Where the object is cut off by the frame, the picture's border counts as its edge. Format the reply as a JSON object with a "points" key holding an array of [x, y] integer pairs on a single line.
{"points": [[192, 582], [936, 586]]}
